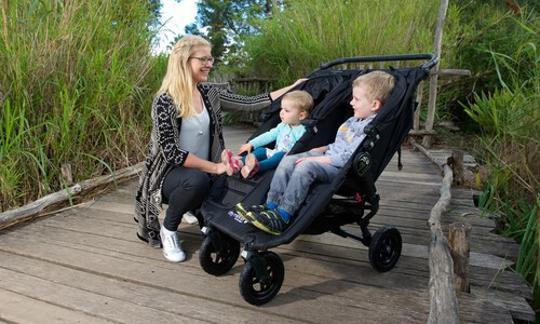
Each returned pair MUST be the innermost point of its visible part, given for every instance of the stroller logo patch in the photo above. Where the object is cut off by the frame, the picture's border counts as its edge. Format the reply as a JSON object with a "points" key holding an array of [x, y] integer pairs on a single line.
{"points": [[237, 217]]}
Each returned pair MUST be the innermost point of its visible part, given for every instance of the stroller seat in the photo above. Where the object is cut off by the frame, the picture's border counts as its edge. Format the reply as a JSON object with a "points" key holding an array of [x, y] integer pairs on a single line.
{"points": [[328, 206]]}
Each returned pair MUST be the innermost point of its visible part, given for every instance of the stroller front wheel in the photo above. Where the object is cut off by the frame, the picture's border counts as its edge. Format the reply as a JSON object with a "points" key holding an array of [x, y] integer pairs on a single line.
{"points": [[261, 278], [385, 249], [219, 254]]}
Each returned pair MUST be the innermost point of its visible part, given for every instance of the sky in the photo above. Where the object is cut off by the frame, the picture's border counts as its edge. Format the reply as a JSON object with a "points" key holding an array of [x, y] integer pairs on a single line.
{"points": [[175, 16]]}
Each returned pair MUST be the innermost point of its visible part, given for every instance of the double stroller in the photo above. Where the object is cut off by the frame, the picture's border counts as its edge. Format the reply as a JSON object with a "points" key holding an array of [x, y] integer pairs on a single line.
{"points": [[350, 198]]}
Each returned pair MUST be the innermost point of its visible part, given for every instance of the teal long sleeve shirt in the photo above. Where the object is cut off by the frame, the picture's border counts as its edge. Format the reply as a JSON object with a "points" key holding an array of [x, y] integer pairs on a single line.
{"points": [[284, 135]]}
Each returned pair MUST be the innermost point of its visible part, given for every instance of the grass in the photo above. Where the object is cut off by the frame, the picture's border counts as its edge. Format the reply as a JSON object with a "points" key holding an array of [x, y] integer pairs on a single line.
{"points": [[297, 40], [76, 88]]}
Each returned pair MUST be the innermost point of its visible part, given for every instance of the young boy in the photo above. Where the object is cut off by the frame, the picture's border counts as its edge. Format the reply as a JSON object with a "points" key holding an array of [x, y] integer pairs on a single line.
{"points": [[296, 173], [295, 107]]}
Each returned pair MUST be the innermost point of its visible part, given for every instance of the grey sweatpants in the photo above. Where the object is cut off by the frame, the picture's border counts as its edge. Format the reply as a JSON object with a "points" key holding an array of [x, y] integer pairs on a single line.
{"points": [[291, 181]]}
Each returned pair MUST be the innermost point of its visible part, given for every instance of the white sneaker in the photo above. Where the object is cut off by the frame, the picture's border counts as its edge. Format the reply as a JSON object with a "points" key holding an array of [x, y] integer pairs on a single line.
{"points": [[172, 249], [190, 218]]}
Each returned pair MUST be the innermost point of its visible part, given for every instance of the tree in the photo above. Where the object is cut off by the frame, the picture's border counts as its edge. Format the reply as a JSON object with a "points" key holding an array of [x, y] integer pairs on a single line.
{"points": [[226, 22]]}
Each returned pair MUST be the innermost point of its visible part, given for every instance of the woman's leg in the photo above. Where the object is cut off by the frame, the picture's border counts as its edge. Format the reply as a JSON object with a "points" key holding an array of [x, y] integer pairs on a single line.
{"points": [[183, 190]]}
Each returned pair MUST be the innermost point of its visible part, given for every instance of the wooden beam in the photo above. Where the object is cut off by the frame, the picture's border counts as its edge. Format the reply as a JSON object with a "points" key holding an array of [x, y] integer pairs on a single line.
{"points": [[421, 132], [41, 205], [445, 73], [444, 305]]}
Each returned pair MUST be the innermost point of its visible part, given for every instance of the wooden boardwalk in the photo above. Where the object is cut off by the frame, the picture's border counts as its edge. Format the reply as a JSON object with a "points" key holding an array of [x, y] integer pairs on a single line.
{"points": [[85, 265]]}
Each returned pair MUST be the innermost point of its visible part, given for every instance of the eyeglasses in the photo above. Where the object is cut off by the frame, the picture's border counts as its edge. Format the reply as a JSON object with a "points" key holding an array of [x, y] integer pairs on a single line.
{"points": [[204, 59]]}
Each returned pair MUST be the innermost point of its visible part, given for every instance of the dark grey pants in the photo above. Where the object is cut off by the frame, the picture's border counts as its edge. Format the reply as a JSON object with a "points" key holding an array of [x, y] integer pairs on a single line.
{"points": [[183, 190]]}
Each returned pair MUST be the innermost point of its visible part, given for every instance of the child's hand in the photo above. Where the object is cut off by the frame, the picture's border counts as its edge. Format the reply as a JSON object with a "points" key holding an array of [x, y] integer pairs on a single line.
{"points": [[319, 159], [246, 148]]}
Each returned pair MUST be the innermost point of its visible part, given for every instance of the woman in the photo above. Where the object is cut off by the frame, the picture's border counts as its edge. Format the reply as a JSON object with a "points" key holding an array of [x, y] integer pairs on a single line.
{"points": [[186, 142]]}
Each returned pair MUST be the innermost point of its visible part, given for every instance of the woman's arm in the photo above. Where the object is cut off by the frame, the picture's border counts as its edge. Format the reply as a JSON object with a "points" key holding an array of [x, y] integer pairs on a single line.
{"points": [[164, 120], [278, 93], [231, 101], [194, 162]]}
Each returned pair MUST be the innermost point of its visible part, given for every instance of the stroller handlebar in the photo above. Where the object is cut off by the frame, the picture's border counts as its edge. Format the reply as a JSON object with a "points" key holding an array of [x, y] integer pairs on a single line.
{"points": [[433, 60]]}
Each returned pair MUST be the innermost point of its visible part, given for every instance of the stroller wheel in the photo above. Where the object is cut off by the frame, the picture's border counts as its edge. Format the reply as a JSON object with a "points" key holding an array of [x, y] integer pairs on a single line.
{"points": [[385, 249], [218, 254], [258, 290]]}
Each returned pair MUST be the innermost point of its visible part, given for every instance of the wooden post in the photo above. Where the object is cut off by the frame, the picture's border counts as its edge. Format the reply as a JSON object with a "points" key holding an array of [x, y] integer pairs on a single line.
{"points": [[65, 169], [456, 163], [432, 101], [458, 239]]}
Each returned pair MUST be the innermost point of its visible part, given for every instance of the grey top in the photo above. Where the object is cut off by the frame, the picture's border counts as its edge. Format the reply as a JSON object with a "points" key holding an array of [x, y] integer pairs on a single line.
{"points": [[195, 134]]}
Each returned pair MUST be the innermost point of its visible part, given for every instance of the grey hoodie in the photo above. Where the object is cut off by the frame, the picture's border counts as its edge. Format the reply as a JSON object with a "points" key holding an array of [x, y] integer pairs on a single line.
{"points": [[349, 135]]}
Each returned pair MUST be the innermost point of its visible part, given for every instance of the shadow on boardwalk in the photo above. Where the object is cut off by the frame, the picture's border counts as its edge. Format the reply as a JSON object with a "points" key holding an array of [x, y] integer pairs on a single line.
{"points": [[86, 265]]}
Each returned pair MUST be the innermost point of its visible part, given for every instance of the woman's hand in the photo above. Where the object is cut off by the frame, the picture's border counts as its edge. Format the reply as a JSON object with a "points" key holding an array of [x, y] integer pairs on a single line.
{"points": [[278, 93], [246, 148], [220, 168], [297, 82]]}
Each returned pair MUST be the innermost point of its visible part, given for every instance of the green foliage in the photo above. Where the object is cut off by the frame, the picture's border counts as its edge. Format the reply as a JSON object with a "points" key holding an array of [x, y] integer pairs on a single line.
{"points": [[509, 118], [225, 23], [76, 84], [307, 33], [486, 32]]}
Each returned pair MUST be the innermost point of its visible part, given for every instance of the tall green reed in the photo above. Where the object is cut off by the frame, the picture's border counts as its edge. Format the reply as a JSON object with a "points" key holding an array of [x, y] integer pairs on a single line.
{"points": [[79, 76], [307, 33]]}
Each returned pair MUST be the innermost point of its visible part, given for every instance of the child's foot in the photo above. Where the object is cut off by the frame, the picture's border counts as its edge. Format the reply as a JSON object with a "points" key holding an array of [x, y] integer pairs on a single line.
{"points": [[251, 167], [232, 164], [269, 221]]}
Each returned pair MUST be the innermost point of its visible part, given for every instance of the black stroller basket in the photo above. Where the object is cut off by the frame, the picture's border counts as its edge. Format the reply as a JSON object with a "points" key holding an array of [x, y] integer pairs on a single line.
{"points": [[328, 205]]}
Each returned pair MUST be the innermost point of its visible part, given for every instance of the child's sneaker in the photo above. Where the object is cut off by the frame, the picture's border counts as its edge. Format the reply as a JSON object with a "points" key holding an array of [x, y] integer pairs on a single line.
{"points": [[251, 167], [243, 212], [269, 221]]}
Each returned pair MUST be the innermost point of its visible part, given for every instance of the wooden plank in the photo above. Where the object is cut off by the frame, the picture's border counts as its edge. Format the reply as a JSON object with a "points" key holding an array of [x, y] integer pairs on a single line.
{"points": [[96, 303], [507, 281], [170, 305], [326, 306], [321, 289], [17, 308]]}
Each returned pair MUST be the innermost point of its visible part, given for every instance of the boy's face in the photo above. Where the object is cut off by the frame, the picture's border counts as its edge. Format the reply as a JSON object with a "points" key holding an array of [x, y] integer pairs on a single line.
{"points": [[290, 113], [363, 106]]}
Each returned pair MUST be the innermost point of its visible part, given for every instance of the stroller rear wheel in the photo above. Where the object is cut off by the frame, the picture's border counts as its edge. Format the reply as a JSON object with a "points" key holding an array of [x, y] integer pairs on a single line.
{"points": [[385, 249], [218, 254], [259, 288]]}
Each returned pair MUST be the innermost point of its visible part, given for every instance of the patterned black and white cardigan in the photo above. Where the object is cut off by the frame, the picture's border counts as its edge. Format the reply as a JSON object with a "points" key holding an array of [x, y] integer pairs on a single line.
{"points": [[165, 152]]}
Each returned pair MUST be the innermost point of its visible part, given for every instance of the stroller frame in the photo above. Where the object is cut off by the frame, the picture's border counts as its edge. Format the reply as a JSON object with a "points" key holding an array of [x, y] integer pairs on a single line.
{"points": [[263, 273]]}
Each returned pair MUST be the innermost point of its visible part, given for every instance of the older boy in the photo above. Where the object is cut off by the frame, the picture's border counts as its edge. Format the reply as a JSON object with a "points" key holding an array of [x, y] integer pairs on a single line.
{"points": [[296, 173]]}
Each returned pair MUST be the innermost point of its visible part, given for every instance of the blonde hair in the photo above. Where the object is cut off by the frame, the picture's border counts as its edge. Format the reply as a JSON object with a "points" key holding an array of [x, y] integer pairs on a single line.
{"points": [[378, 85], [301, 99], [178, 81]]}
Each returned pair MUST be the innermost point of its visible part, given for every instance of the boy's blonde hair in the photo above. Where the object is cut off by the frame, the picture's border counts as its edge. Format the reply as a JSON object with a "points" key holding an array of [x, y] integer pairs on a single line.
{"points": [[378, 85], [178, 81], [301, 99]]}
